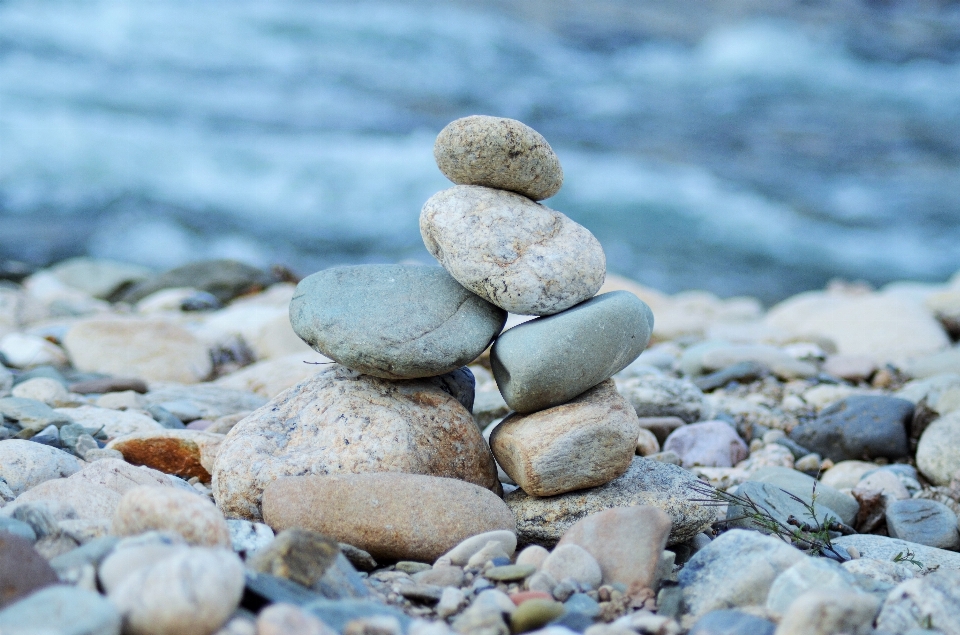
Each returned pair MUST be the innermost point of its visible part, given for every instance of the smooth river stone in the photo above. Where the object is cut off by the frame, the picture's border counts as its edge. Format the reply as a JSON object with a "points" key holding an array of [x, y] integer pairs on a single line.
{"points": [[938, 452], [549, 361], [668, 487], [389, 515], [524, 257], [157, 508], [498, 152], [583, 443], [393, 321], [24, 464], [340, 421], [858, 427]]}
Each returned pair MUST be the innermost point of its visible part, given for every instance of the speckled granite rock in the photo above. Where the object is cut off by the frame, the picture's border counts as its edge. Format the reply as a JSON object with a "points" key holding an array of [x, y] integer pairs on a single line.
{"points": [[24, 464], [544, 520], [525, 258], [548, 361], [583, 443], [498, 152], [340, 422], [393, 321]]}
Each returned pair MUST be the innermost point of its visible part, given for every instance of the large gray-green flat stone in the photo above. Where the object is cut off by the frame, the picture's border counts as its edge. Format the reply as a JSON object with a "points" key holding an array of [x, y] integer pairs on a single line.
{"points": [[549, 361], [393, 321]]}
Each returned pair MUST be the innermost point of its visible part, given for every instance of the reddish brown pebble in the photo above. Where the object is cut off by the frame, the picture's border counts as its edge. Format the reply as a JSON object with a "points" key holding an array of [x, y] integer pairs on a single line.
{"points": [[523, 596], [177, 452]]}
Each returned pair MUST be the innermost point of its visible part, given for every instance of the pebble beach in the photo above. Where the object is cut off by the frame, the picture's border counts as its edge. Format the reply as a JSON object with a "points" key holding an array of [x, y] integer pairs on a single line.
{"points": [[515, 441]]}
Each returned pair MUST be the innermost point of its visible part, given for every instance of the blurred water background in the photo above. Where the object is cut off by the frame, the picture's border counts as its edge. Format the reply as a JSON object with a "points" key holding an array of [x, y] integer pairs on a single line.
{"points": [[753, 147]]}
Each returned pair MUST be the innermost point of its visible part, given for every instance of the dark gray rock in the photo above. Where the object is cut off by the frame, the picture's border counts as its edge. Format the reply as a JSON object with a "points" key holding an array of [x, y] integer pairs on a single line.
{"points": [[730, 622], [31, 414], [858, 427], [225, 279], [338, 613], [802, 485], [64, 610], [108, 384], [780, 505], [737, 569], [393, 321], [740, 372], [17, 528], [923, 521], [550, 360], [582, 603], [22, 570]]}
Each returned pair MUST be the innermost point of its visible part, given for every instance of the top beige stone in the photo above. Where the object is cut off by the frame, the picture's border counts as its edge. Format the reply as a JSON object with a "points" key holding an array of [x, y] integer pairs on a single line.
{"points": [[501, 153]]}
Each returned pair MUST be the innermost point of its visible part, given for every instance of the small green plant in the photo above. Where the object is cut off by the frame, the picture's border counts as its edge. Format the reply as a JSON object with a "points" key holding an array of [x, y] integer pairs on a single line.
{"points": [[812, 536], [909, 556]]}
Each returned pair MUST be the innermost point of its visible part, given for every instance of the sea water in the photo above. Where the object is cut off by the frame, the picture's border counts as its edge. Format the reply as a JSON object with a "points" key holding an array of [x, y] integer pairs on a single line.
{"points": [[760, 159]]}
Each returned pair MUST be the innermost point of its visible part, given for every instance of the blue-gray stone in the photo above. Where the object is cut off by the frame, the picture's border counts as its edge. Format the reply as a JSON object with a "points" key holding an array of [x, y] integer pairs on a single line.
{"points": [[925, 522], [341, 581], [393, 321], [576, 622], [779, 504], [730, 622], [64, 610], [582, 603], [741, 372], [550, 360], [225, 279], [802, 486], [17, 528], [48, 372], [164, 417], [93, 552], [861, 427], [338, 613], [31, 414], [263, 589]]}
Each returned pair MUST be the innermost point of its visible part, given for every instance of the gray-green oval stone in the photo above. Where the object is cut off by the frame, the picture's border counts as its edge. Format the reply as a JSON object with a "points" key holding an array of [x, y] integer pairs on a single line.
{"points": [[509, 572], [393, 321], [550, 360]]}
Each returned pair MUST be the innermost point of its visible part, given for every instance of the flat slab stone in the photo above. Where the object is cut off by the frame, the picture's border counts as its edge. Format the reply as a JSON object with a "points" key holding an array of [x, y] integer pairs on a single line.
{"points": [[885, 548], [668, 487], [550, 360], [394, 321]]}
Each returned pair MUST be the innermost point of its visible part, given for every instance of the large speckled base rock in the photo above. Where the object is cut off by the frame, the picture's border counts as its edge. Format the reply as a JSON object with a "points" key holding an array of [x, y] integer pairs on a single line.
{"points": [[393, 321], [548, 361], [340, 421], [149, 349], [500, 153], [584, 443], [668, 487], [525, 258], [389, 515]]}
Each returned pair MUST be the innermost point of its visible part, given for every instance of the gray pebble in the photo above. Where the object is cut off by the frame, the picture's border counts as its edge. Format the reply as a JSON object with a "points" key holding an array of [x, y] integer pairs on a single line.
{"points": [[926, 522]]}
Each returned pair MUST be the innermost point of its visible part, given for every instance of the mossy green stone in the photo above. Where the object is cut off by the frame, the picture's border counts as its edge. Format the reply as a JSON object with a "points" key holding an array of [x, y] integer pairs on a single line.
{"points": [[510, 572], [534, 614]]}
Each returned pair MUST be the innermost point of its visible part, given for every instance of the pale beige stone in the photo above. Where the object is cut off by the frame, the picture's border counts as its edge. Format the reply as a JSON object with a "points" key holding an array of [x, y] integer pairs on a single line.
{"points": [[24, 464], [829, 612], [190, 593], [49, 391], [523, 257], [89, 500], [846, 474], [152, 508], [500, 153], [114, 423], [26, 351], [287, 619], [389, 515], [121, 477], [585, 442], [123, 400], [271, 377], [647, 442], [151, 349], [338, 422]]}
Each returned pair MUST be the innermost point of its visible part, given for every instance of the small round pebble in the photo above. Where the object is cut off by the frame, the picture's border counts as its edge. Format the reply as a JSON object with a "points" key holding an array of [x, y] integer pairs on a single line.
{"points": [[147, 507], [510, 572]]}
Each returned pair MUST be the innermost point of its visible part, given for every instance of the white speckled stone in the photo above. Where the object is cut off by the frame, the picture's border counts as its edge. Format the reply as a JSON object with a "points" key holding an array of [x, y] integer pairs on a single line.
{"points": [[525, 258], [498, 152]]}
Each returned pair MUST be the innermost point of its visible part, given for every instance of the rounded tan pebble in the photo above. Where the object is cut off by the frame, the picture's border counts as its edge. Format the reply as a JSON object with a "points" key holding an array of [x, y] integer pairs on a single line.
{"points": [[147, 508], [193, 592], [49, 391], [390, 515], [647, 443], [498, 152], [462, 553], [288, 619], [586, 442], [533, 555], [521, 256], [89, 500]]}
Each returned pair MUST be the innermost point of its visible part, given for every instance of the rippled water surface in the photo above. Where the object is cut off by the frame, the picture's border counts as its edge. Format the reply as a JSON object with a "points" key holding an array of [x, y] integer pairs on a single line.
{"points": [[754, 156]]}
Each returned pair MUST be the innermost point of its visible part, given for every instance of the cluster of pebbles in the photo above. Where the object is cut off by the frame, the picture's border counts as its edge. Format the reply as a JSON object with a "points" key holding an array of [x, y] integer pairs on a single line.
{"points": [[170, 465]]}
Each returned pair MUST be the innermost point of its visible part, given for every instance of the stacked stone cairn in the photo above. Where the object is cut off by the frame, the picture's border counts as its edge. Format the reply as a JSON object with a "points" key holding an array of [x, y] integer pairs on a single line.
{"points": [[501, 251]]}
